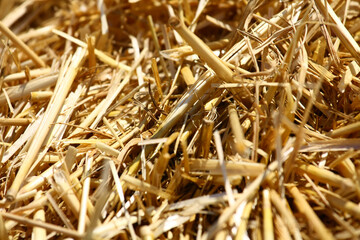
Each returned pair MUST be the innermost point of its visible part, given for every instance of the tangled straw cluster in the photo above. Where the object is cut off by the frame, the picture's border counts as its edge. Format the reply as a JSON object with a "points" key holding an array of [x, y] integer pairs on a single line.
{"points": [[180, 119]]}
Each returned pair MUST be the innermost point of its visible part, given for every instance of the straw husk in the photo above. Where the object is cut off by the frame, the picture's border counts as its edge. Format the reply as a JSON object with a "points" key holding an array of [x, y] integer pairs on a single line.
{"points": [[179, 119]]}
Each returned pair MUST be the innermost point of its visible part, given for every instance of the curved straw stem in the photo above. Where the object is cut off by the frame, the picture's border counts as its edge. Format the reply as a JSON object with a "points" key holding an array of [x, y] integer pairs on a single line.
{"points": [[201, 49]]}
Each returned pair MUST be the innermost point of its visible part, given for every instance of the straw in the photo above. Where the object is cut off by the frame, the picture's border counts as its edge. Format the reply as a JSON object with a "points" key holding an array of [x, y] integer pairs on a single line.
{"points": [[51, 113], [205, 138], [202, 50], [21, 45], [15, 121], [268, 216], [40, 224], [321, 231], [340, 30], [24, 90], [34, 73], [39, 215], [85, 196], [179, 119], [3, 232]]}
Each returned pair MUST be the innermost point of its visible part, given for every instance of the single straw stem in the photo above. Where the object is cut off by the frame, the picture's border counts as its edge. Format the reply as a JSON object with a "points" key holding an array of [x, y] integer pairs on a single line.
{"points": [[39, 215], [156, 76], [268, 217], [201, 49], [20, 44], [205, 137], [236, 129], [15, 121], [85, 195]]}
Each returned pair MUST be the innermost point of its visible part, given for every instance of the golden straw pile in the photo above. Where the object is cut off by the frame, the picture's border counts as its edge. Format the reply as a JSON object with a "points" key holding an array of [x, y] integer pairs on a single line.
{"points": [[180, 119]]}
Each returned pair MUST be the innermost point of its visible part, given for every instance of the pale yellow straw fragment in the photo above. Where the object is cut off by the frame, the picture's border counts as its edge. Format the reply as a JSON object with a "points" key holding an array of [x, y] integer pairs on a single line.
{"points": [[341, 203], [281, 231], [34, 73], [21, 45], [39, 180], [157, 45], [30, 208], [244, 221], [342, 164], [85, 195], [122, 197], [113, 228], [25, 195], [146, 233], [6, 97], [247, 194], [41, 95], [212, 167], [24, 90], [16, 13], [352, 70], [39, 233], [218, 23], [35, 33], [220, 153], [187, 75], [15, 121], [161, 163], [267, 216], [176, 54]]}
